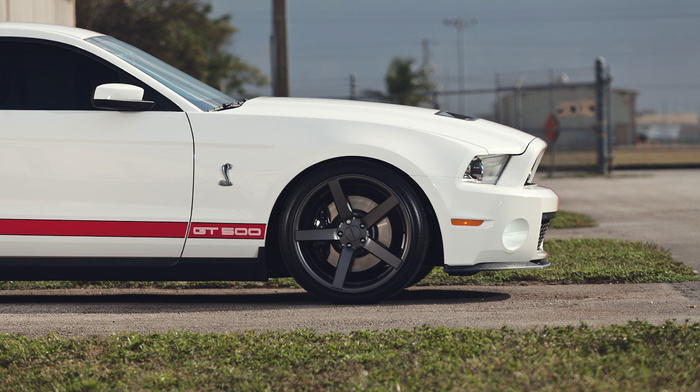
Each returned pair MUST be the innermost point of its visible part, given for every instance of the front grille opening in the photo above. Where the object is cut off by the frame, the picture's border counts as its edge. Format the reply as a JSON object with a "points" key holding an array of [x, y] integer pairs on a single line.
{"points": [[546, 217]]}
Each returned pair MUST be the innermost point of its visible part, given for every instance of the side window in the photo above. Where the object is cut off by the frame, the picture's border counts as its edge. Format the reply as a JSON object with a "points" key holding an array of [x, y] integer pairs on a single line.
{"points": [[38, 76]]}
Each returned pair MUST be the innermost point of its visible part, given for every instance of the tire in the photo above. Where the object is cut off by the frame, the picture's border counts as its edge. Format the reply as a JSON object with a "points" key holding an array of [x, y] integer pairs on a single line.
{"points": [[422, 273], [353, 232]]}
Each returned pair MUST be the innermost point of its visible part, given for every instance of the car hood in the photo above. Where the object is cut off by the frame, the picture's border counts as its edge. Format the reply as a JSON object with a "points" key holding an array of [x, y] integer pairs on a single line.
{"points": [[494, 138]]}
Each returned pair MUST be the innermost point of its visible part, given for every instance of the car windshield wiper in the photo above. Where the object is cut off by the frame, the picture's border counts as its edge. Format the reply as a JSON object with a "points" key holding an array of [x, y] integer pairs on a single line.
{"points": [[230, 105]]}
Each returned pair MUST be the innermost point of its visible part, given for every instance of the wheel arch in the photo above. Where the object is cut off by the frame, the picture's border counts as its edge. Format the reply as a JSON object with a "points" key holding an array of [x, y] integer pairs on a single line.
{"points": [[276, 267]]}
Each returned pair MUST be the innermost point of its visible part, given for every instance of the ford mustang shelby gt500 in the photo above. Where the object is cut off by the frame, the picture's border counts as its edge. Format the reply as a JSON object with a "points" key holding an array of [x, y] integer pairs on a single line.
{"points": [[114, 165]]}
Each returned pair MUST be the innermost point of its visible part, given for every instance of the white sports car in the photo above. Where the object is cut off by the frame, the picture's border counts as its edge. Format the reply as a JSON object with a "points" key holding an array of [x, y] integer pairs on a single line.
{"points": [[116, 166]]}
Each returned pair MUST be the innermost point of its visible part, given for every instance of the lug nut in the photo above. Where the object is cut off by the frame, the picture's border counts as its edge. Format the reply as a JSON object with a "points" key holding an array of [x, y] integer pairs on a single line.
{"points": [[349, 221], [340, 234]]}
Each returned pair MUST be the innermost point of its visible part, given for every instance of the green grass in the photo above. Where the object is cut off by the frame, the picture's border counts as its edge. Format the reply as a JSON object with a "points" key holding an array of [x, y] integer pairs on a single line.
{"points": [[586, 261], [636, 356], [573, 262], [571, 220]]}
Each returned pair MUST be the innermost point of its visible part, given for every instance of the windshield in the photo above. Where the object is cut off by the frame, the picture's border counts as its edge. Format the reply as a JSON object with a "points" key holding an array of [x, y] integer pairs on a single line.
{"points": [[200, 94]]}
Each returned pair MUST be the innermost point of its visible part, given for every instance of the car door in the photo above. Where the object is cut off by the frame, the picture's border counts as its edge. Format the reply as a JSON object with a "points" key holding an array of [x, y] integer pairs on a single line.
{"points": [[81, 182]]}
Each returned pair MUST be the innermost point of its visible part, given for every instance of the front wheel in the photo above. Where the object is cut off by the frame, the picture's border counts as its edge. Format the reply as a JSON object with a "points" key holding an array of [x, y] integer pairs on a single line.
{"points": [[353, 232]]}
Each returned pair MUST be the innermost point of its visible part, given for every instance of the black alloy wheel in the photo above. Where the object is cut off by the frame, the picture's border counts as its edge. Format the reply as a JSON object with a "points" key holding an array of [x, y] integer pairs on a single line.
{"points": [[354, 232]]}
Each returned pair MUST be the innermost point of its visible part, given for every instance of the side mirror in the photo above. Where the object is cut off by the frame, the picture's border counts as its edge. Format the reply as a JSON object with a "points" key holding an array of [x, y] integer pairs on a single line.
{"points": [[117, 96]]}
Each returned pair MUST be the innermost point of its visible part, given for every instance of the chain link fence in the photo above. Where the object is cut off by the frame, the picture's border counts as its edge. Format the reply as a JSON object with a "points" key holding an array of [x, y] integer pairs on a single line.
{"points": [[596, 126]]}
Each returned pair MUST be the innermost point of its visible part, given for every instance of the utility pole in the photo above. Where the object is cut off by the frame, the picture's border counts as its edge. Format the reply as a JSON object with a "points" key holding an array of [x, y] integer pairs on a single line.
{"points": [[461, 24], [429, 72], [280, 65], [425, 44], [518, 101], [353, 86], [499, 104]]}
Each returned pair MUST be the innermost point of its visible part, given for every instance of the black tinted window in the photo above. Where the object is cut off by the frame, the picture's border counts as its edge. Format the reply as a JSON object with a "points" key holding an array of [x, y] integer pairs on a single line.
{"points": [[38, 76]]}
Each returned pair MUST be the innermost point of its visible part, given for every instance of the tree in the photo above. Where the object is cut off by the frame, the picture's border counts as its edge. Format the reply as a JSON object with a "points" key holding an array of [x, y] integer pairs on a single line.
{"points": [[179, 32], [404, 85]]}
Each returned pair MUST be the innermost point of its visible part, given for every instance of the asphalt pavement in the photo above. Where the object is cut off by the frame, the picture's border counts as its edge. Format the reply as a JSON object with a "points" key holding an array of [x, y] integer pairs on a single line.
{"points": [[657, 206]]}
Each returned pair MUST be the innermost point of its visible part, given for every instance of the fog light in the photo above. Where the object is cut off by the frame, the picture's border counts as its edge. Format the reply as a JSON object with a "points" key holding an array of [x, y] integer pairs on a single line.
{"points": [[515, 234]]}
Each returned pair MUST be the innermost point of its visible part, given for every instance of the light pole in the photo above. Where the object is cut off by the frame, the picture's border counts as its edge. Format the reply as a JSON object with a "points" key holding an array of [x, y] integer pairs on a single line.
{"points": [[461, 24]]}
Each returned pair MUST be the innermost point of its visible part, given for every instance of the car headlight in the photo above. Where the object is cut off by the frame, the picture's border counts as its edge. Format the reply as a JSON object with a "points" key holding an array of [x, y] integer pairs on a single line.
{"points": [[485, 169]]}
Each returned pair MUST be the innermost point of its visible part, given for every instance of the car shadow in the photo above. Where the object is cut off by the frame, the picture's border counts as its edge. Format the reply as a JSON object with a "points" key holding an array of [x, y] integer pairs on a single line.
{"points": [[170, 302], [432, 295]]}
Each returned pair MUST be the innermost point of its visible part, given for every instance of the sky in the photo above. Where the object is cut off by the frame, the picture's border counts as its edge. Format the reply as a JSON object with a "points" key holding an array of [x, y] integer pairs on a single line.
{"points": [[651, 46]]}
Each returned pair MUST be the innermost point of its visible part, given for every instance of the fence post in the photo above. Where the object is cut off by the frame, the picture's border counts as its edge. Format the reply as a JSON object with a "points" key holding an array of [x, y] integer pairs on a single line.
{"points": [[609, 115], [602, 80], [552, 112]]}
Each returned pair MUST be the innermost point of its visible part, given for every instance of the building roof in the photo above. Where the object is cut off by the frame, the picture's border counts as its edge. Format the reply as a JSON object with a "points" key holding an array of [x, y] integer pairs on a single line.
{"points": [[669, 118], [22, 29]]}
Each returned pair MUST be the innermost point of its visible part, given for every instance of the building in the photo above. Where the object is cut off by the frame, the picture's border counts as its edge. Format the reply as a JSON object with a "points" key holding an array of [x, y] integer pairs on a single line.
{"points": [[668, 128], [42, 11], [574, 107]]}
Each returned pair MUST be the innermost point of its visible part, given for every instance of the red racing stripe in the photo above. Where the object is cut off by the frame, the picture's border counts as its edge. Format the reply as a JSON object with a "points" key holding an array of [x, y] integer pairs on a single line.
{"points": [[93, 228]]}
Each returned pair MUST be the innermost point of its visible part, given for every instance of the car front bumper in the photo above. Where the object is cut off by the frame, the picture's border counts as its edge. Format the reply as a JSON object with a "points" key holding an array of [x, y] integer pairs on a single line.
{"points": [[515, 220]]}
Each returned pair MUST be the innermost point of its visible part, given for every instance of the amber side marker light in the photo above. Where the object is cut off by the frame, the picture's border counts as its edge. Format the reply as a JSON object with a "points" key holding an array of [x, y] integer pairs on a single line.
{"points": [[466, 222]]}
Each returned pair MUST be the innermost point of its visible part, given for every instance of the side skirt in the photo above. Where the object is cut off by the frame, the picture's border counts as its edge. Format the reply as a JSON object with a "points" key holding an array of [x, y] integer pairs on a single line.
{"points": [[125, 269]]}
